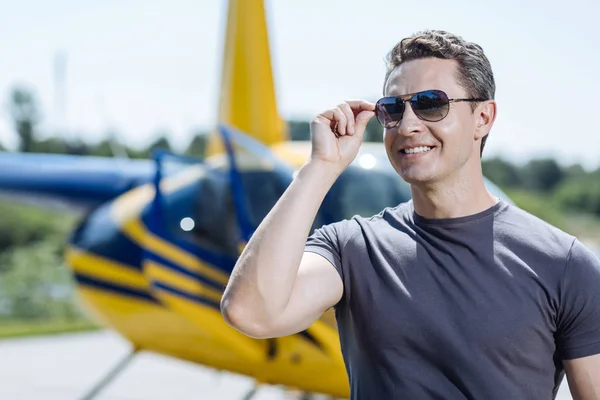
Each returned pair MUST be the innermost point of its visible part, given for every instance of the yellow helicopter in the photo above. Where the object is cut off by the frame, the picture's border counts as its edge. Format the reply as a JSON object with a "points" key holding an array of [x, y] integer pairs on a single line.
{"points": [[160, 237]]}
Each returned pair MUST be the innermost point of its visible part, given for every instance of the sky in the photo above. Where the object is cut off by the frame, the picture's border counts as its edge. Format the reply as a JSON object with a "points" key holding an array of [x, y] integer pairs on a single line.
{"points": [[140, 68]]}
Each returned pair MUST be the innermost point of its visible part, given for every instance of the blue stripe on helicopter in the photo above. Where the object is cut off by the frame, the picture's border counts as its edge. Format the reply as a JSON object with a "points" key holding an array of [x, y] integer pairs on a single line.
{"points": [[305, 334], [185, 295], [152, 221], [86, 280], [221, 261], [106, 240], [175, 267], [96, 283]]}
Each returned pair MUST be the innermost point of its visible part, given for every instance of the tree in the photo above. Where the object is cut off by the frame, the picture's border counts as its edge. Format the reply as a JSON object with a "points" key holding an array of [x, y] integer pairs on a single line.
{"points": [[574, 171], [161, 143], [52, 145], [78, 147], [23, 224], [582, 195], [542, 174], [25, 115], [197, 146], [501, 172], [104, 148]]}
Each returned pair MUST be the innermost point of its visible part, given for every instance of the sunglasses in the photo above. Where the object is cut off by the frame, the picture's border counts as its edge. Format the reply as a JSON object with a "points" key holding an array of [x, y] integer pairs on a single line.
{"points": [[430, 105]]}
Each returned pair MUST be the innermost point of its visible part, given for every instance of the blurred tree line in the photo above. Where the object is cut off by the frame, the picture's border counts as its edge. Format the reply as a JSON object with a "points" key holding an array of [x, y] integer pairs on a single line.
{"points": [[570, 188], [35, 284], [25, 114]]}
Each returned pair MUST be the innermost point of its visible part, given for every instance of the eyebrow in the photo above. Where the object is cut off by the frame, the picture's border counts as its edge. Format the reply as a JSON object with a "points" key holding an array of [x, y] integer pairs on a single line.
{"points": [[408, 95]]}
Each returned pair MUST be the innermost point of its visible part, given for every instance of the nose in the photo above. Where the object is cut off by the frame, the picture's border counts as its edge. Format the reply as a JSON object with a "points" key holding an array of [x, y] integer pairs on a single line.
{"points": [[410, 123]]}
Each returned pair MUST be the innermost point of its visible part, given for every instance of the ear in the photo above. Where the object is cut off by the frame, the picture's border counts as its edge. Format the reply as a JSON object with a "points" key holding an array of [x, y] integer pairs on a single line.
{"points": [[485, 115]]}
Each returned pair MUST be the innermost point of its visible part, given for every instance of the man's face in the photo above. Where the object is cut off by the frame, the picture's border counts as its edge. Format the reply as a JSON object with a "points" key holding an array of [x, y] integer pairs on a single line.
{"points": [[453, 138]]}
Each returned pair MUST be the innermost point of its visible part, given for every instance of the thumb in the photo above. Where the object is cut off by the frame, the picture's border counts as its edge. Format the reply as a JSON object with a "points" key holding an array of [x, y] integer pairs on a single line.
{"points": [[363, 118]]}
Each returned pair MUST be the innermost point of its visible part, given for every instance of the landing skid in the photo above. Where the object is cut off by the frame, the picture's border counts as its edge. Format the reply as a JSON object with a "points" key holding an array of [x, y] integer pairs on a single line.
{"points": [[122, 364], [300, 396], [251, 393], [108, 378]]}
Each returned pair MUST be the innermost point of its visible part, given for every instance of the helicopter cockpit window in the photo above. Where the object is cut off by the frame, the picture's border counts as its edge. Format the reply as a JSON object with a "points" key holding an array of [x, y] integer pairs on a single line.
{"points": [[216, 226], [362, 192], [262, 189]]}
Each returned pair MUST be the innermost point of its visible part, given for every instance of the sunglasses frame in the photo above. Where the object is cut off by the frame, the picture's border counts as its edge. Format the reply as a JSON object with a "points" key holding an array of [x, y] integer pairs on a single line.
{"points": [[408, 98]]}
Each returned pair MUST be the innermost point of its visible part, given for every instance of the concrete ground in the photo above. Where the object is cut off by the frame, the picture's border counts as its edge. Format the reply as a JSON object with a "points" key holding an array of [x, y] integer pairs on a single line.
{"points": [[65, 367]]}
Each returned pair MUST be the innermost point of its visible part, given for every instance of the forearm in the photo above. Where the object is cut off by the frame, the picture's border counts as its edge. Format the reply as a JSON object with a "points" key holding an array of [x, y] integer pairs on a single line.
{"points": [[263, 278]]}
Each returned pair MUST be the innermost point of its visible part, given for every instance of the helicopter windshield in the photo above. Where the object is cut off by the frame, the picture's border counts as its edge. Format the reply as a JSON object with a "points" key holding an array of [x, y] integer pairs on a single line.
{"points": [[363, 192], [262, 190], [216, 220]]}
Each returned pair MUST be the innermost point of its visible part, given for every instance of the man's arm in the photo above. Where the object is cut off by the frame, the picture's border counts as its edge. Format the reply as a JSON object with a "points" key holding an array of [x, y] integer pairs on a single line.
{"points": [[583, 375], [276, 289]]}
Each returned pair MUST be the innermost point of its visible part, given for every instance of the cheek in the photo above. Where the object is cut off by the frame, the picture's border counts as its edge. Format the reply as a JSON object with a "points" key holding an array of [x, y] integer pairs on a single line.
{"points": [[452, 134], [388, 138]]}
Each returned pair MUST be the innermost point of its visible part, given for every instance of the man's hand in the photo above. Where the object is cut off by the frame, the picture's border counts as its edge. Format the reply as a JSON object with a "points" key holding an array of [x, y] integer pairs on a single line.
{"points": [[337, 133], [583, 375]]}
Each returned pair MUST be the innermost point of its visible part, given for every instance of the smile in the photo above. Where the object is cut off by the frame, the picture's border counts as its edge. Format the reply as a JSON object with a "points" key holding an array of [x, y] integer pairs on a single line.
{"points": [[416, 150]]}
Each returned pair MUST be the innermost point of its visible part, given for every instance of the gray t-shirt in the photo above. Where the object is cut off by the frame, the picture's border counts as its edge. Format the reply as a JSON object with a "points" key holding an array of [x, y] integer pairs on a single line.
{"points": [[478, 307]]}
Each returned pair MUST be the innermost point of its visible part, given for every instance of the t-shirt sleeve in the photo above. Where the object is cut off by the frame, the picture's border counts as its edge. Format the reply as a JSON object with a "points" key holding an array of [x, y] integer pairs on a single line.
{"points": [[578, 330], [327, 241]]}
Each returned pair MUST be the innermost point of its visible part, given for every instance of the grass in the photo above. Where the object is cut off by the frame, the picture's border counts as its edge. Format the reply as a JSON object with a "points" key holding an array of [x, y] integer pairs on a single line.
{"points": [[14, 329]]}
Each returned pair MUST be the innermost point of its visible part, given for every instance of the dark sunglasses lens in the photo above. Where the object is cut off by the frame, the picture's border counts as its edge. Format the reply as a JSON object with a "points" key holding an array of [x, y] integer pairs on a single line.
{"points": [[389, 111], [431, 105]]}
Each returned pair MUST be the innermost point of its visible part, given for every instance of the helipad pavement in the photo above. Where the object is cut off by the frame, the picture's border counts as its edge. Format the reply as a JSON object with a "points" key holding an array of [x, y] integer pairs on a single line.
{"points": [[64, 367]]}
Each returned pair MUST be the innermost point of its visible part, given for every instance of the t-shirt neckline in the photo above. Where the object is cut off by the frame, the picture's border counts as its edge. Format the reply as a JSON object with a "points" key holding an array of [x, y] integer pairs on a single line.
{"points": [[458, 220]]}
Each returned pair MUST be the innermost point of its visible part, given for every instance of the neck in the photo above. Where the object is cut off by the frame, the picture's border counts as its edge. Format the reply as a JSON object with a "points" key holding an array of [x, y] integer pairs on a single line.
{"points": [[455, 197]]}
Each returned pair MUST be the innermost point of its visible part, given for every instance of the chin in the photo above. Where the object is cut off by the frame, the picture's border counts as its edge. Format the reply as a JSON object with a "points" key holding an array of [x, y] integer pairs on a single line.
{"points": [[418, 179], [418, 175]]}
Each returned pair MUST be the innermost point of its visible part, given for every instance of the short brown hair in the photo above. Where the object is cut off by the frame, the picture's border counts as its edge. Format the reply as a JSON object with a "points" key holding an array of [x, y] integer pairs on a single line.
{"points": [[474, 69]]}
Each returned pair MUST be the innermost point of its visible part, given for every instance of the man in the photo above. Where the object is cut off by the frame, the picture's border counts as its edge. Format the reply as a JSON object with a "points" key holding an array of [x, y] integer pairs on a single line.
{"points": [[452, 295]]}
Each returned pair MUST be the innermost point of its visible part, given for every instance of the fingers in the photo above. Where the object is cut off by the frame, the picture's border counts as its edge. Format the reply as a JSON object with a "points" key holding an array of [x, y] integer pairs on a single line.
{"points": [[335, 119], [349, 115], [360, 105], [339, 122], [344, 119], [358, 113], [363, 112]]}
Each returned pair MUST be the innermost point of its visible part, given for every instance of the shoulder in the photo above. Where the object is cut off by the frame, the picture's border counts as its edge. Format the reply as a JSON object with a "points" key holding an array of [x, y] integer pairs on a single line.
{"points": [[582, 258], [355, 228], [393, 218], [387, 216], [578, 324], [517, 226], [513, 218]]}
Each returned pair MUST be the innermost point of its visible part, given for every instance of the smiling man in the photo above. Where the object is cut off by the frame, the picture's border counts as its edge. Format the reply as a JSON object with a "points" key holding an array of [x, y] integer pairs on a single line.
{"points": [[452, 295]]}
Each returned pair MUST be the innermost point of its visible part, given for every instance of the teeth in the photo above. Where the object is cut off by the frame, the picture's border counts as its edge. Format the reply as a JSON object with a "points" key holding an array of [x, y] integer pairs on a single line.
{"points": [[420, 149]]}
